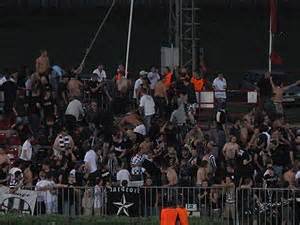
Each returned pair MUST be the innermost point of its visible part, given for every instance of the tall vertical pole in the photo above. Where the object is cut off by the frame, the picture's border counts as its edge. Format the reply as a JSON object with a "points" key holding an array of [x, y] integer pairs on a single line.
{"points": [[177, 24], [270, 44], [177, 33], [181, 50], [193, 38], [129, 37], [170, 21]]}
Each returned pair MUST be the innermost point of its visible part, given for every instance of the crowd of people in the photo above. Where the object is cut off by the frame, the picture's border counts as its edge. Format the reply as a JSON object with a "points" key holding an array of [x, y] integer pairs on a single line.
{"points": [[150, 134]]}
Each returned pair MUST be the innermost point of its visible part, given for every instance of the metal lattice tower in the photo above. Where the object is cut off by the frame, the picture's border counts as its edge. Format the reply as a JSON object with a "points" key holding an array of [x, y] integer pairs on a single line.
{"points": [[184, 30]]}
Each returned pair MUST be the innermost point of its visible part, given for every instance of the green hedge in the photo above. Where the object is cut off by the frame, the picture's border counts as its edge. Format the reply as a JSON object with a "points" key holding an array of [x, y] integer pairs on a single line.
{"points": [[60, 220]]}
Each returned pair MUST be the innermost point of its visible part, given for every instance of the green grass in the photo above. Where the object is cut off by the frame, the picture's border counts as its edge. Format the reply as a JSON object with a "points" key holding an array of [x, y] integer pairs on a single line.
{"points": [[92, 220]]}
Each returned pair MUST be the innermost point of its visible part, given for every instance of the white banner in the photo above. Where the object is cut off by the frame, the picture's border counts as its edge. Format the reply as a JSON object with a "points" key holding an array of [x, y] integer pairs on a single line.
{"points": [[207, 99], [252, 97], [21, 201]]}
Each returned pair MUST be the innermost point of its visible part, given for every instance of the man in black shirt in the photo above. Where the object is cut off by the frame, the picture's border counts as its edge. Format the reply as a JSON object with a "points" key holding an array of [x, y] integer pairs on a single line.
{"points": [[265, 90], [189, 90], [152, 170], [10, 93], [94, 87], [62, 94]]}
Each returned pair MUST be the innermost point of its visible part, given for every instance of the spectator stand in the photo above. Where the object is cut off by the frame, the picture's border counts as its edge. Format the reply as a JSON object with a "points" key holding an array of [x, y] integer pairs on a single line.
{"points": [[8, 140], [108, 86]]}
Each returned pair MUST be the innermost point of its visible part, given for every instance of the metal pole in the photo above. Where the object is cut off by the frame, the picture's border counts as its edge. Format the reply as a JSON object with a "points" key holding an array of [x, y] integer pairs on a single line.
{"points": [[129, 36], [177, 33], [181, 33], [170, 21], [172, 56], [96, 35], [193, 38], [270, 43]]}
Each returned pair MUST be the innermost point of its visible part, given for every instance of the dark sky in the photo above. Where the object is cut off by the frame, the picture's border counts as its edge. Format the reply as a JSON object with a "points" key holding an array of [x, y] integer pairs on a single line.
{"points": [[234, 39]]}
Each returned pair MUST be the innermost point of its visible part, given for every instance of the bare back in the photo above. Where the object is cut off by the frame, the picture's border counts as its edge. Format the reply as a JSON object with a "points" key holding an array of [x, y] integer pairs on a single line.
{"points": [[172, 177], [74, 88], [160, 90]]}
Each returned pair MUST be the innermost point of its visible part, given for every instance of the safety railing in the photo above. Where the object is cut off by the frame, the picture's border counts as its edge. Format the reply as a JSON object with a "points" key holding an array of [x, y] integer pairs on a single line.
{"points": [[268, 206], [222, 205], [209, 99]]}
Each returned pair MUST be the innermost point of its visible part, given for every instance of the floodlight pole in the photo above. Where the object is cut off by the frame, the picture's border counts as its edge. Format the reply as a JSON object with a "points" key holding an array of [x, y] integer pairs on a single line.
{"points": [[129, 37], [270, 44]]}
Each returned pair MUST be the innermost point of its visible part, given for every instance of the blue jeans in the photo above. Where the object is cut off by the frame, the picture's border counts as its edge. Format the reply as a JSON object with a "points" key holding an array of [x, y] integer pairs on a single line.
{"points": [[147, 122], [220, 103]]}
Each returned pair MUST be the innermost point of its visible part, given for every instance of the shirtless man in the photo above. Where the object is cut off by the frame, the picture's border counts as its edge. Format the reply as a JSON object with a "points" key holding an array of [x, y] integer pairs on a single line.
{"points": [[42, 64], [249, 117], [231, 149], [4, 159], [160, 90], [202, 173], [131, 119], [161, 96], [171, 176], [289, 177], [123, 85], [278, 91], [74, 87], [246, 128]]}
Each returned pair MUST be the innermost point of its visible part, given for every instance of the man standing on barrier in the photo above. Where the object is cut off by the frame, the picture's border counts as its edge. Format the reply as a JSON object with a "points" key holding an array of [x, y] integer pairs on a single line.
{"points": [[220, 86], [101, 74]]}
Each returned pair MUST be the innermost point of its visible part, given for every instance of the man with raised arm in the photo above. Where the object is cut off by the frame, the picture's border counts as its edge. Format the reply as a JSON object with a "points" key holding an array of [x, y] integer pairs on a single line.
{"points": [[278, 90]]}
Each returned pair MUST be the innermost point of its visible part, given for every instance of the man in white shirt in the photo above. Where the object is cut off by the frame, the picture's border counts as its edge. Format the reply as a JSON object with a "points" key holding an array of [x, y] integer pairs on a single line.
{"points": [[138, 85], [75, 109], [297, 178], [147, 108], [63, 142], [3, 80], [140, 129], [153, 77], [15, 175], [90, 160], [123, 174], [220, 86], [101, 74], [137, 170], [44, 197], [26, 152]]}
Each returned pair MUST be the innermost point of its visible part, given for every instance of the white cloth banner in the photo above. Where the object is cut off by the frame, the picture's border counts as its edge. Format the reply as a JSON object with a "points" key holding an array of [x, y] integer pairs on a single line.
{"points": [[207, 99], [252, 97], [21, 201]]}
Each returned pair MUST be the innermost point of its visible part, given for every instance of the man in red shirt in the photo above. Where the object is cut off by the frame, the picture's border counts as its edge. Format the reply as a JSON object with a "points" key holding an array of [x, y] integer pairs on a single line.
{"points": [[199, 83], [120, 73], [168, 77]]}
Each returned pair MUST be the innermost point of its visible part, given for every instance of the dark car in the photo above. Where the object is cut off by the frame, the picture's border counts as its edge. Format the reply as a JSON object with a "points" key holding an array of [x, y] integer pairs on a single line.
{"points": [[290, 96]]}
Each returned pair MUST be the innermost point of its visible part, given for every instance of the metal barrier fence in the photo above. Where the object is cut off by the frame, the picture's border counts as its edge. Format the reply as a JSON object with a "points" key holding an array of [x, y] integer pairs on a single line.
{"points": [[268, 206], [220, 205]]}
